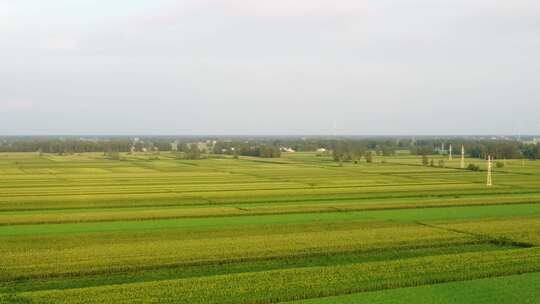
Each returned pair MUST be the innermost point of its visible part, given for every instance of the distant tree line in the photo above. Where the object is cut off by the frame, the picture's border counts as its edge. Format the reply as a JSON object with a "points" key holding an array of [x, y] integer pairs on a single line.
{"points": [[55, 145], [189, 151], [354, 150], [255, 148], [67, 145], [499, 149], [342, 149]]}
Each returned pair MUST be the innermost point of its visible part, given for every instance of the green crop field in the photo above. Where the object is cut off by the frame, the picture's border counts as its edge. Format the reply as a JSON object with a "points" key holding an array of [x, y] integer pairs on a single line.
{"points": [[302, 228]]}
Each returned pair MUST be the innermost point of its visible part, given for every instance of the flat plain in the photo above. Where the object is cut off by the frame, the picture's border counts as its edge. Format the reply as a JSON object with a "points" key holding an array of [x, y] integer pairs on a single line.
{"points": [[150, 228]]}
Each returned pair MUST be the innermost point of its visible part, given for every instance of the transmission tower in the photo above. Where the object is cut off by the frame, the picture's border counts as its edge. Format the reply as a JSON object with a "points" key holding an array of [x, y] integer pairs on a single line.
{"points": [[489, 182], [462, 157], [450, 152]]}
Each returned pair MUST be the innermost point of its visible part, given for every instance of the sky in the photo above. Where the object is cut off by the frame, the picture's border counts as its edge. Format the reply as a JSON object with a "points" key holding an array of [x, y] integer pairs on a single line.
{"points": [[280, 67]]}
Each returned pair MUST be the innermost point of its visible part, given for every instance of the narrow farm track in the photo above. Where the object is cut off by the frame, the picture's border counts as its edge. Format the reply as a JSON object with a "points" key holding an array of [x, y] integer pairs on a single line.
{"points": [[84, 229]]}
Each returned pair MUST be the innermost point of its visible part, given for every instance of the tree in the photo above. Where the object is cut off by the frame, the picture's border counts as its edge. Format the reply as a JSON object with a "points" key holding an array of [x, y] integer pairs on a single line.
{"points": [[441, 163], [473, 167], [421, 150], [192, 152], [387, 150], [268, 151], [425, 160], [369, 156], [532, 152]]}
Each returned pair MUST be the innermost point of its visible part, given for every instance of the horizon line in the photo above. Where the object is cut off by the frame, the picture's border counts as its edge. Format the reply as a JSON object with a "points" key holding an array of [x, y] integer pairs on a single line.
{"points": [[265, 135]]}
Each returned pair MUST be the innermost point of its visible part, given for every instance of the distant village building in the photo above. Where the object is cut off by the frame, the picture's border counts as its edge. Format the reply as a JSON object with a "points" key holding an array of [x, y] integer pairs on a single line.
{"points": [[174, 146], [287, 149], [321, 150]]}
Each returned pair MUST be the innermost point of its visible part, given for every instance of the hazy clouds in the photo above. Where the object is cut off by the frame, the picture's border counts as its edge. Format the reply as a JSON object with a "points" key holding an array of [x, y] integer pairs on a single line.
{"points": [[269, 67]]}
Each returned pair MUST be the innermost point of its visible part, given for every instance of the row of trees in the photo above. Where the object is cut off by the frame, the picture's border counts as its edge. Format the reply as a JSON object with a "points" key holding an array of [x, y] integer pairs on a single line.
{"points": [[258, 148], [260, 151], [79, 145], [356, 150], [64, 146], [431, 162], [500, 149], [343, 149], [531, 151], [192, 151]]}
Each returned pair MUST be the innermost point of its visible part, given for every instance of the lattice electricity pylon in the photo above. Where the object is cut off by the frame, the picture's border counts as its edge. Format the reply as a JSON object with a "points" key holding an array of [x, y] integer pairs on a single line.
{"points": [[489, 182], [462, 157]]}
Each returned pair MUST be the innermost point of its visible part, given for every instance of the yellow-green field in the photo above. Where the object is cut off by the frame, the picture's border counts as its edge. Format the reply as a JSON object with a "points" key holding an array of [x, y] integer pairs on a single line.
{"points": [[298, 229]]}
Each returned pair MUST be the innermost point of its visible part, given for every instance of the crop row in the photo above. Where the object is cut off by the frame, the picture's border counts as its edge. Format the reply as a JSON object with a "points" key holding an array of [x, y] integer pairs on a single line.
{"points": [[303, 283], [202, 270], [521, 288], [304, 196], [519, 230], [120, 214], [84, 258]]}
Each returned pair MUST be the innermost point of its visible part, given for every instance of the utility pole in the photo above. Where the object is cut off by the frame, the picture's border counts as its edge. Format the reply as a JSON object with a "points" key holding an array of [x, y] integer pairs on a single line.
{"points": [[462, 157], [489, 182]]}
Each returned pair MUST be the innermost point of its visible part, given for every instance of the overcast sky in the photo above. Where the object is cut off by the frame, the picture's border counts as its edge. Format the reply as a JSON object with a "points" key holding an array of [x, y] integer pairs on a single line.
{"points": [[269, 67]]}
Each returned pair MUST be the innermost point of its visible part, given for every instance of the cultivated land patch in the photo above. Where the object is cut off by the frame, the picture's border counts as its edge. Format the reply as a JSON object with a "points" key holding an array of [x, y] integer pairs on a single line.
{"points": [[508, 289], [85, 229]]}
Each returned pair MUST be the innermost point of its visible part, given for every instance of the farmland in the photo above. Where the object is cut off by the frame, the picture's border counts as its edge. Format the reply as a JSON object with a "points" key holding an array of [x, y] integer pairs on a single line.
{"points": [[82, 228]]}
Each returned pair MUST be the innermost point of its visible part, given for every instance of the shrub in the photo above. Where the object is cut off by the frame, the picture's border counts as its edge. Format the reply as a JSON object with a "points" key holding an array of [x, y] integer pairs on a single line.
{"points": [[473, 167]]}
